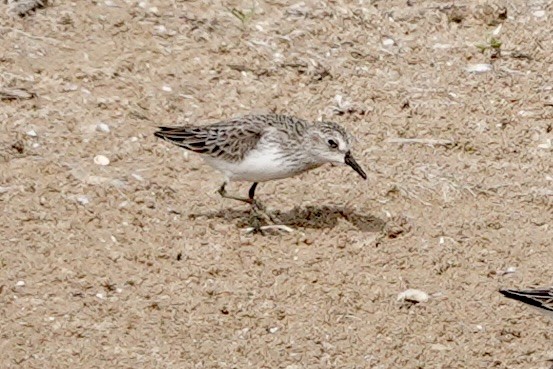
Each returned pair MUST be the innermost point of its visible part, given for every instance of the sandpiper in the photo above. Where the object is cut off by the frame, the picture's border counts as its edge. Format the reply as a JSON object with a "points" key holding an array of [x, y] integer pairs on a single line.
{"points": [[259, 148]]}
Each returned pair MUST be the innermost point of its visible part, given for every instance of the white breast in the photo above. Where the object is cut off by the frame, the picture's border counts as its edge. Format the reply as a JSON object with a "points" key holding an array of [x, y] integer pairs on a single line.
{"points": [[257, 166]]}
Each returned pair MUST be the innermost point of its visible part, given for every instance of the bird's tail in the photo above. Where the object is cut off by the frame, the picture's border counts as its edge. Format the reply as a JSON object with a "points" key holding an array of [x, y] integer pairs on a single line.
{"points": [[190, 138]]}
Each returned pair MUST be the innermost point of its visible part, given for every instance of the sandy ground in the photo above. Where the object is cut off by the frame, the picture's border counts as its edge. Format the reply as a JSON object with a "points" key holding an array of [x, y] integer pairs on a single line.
{"points": [[140, 264]]}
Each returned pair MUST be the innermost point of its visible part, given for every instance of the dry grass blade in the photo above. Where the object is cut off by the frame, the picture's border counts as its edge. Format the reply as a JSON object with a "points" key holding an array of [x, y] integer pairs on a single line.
{"points": [[274, 227], [15, 94], [422, 141]]}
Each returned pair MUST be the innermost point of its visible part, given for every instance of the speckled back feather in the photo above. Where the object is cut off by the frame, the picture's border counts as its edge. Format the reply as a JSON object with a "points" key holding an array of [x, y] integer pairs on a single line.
{"points": [[232, 139]]}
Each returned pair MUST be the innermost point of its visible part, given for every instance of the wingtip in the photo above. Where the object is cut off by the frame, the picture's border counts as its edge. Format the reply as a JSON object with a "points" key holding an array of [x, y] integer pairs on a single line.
{"points": [[505, 291], [162, 130]]}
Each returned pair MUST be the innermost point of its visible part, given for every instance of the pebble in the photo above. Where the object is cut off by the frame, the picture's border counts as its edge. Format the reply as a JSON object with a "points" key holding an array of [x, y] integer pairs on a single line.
{"points": [[413, 295], [167, 88], [161, 29], [273, 329], [83, 200], [20, 284], [101, 160], [387, 42], [32, 133], [102, 127], [70, 87], [539, 13]]}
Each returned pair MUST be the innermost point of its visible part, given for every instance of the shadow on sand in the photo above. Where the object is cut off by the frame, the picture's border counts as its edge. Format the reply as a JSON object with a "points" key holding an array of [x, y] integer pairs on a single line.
{"points": [[317, 217]]}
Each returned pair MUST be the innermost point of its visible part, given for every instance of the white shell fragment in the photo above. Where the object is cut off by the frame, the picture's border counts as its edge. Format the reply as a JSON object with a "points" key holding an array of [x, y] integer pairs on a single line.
{"points": [[102, 127], [412, 295], [31, 133], [510, 270], [20, 284], [161, 29], [479, 68], [82, 199], [547, 145], [101, 160], [387, 42]]}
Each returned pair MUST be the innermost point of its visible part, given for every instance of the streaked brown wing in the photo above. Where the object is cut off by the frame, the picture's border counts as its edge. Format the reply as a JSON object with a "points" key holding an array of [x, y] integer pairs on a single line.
{"points": [[228, 140]]}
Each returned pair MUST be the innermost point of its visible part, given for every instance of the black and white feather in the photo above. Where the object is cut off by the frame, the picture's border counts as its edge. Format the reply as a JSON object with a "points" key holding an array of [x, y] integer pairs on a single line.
{"points": [[538, 298]]}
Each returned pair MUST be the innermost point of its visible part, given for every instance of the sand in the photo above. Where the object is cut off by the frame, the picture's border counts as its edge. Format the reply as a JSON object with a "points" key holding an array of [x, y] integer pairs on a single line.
{"points": [[140, 264]]}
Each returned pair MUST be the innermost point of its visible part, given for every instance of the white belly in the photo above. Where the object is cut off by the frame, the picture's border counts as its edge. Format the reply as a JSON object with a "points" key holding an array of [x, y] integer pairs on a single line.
{"points": [[257, 166]]}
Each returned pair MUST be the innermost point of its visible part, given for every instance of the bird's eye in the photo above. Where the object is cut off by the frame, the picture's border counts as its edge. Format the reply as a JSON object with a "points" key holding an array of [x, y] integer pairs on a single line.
{"points": [[333, 144]]}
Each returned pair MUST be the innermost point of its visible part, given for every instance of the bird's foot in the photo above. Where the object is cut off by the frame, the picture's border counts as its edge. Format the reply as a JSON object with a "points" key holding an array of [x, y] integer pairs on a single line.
{"points": [[256, 223], [259, 217], [261, 210]]}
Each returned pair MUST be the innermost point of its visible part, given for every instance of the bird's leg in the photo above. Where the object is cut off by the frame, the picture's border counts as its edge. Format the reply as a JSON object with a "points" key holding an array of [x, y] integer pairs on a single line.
{"points": [[255, 204], [251, 192], [255, 215], [223, 192], [258, 213], [257, 207]]}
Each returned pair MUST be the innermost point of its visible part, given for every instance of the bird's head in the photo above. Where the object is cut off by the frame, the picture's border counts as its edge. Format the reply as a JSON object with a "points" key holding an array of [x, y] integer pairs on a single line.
{"points": [[330, 143]]}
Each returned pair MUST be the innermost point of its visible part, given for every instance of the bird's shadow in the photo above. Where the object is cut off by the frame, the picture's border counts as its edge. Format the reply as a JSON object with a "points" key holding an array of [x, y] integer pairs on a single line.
{"points": [[317, 217]]}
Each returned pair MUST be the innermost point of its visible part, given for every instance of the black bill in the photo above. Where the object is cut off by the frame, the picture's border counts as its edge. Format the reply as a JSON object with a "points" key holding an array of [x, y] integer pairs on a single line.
{"points": [[349, 160]]}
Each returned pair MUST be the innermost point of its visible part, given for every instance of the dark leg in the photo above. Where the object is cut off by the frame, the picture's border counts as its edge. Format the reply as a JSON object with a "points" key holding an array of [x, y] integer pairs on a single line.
{"points": [[224, 194], [258, 214], [257, 208], [251, 193]]}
